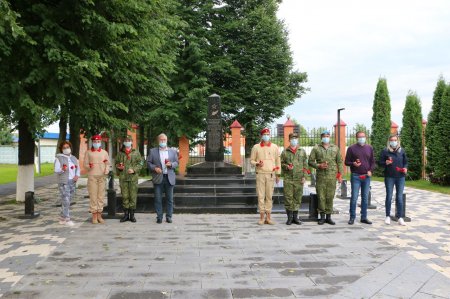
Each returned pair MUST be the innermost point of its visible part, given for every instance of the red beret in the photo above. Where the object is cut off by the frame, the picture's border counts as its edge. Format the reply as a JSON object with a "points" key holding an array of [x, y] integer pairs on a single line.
{"points": [[264, 131], [96, 137]]}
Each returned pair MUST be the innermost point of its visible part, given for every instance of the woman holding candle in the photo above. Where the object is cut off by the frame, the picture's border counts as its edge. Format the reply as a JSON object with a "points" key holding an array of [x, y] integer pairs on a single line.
{"points": [[68, 169], [393, 159]]}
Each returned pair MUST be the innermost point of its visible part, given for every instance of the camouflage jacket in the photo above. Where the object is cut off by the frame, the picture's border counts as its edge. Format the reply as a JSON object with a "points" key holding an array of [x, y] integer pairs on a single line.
{"points": [[131, 161], [332, 156], [297, 159]]}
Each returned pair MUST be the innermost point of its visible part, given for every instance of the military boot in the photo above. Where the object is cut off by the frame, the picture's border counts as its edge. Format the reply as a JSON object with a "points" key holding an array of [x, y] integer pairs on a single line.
{"points": [[99, 218], [94, 218], [329, 220], [289, 215], [126, 216], [322, 219], [295, 218], [132, 218]]}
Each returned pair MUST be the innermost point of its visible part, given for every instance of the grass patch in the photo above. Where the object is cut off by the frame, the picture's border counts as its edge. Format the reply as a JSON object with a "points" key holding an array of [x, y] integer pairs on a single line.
{"points": [[8, 172], [419, 184]]}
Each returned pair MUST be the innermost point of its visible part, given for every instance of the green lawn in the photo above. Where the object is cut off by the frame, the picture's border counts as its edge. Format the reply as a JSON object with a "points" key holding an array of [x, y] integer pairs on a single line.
{"points": [[8, 172], [420, 184]]}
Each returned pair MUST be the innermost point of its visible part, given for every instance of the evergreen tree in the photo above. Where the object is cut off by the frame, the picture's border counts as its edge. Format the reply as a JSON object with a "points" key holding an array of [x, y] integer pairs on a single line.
{"points": [[442, 131], [251, 64], [381, 120], [411, 135], [431, 134]]}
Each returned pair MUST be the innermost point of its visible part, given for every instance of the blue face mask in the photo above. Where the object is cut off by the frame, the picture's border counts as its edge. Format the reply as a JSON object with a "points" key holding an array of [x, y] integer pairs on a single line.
{"points": [[162, 144], [265, 138], [326, 139], [96, 145], [362, 140], [393, 144], [294, 142], [127, 143]]}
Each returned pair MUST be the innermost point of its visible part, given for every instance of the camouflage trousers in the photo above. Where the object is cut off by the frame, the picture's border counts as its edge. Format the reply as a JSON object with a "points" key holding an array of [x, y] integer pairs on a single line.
{"points": [[293, 192], [67, 192], [129, 190], [326, 189]]}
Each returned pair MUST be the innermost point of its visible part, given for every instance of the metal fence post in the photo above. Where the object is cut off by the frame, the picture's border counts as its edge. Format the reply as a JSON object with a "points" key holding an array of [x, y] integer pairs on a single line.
{"points": [[29, 206]]}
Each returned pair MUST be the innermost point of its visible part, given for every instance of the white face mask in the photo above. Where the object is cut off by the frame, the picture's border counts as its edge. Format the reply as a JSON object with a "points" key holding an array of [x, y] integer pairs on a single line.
{"points": [[66, 151]]}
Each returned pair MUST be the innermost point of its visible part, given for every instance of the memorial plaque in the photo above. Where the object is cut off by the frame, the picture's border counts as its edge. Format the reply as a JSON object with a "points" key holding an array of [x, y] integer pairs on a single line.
{"points": [[214, 134]]}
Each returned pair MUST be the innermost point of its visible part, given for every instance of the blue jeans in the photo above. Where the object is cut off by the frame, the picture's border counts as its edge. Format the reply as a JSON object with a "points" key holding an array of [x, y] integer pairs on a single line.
{"points": [[364, 185], [399, 183], [168, 190]]}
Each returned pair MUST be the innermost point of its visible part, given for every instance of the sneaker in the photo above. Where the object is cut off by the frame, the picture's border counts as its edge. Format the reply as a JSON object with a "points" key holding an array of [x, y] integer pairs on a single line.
{"points": [[62, 220], [401, 221], [387, 220], [70, 223]]}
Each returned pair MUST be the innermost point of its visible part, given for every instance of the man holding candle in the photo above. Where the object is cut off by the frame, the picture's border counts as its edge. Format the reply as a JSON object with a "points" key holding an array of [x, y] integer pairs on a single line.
{"points": [[326, 158], [266, 158], [162, 162], [362, 162], [293, 166], [128, 165]]}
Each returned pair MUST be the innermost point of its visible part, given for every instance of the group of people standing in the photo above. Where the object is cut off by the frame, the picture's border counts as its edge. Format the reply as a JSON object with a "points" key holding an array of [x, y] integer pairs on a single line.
{"points": [[293, 164], [128, 163], [326, 159]]}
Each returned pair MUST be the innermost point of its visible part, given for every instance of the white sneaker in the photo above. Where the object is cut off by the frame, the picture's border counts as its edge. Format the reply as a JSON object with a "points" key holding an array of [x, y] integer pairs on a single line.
{"points": [[387, 220], [62, 221], [401, 221], [70, 223]]}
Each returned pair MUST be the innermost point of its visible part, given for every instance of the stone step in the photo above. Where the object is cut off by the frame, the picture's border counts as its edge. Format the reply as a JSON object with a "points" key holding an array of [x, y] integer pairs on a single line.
{"points": [[209, 189]]}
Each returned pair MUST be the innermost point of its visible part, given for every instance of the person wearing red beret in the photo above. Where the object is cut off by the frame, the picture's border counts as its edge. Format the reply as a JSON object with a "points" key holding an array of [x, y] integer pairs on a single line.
{"points": [[96, 161], [265, 156]]}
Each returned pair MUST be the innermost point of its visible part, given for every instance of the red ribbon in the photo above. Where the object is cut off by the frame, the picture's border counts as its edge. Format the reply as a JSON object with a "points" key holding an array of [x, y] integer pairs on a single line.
{"points": [[91, 165], [72, 167], [275, 168], [64, 167], [106, 160], [362, 177], [399, 169], [94, 150], [306, 171], [338, 175]]}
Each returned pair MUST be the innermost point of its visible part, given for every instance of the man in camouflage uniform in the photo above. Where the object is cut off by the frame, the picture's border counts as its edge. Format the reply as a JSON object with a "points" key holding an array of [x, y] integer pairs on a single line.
{"points": [[293, 166], [128, 165], [326, 158]]}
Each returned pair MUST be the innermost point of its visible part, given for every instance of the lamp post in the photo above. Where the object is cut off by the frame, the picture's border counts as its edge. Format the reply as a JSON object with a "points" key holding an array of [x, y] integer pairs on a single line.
{"points": [[338, 127]]}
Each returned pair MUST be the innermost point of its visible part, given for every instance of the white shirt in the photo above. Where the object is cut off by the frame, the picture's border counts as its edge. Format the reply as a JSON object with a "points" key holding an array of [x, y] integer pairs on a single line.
{"points": [[72, 170], [163, 155]]}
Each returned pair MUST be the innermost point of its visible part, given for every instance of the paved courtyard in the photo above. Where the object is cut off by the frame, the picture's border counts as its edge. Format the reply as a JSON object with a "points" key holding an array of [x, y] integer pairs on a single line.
{"points": [[225, 256]]}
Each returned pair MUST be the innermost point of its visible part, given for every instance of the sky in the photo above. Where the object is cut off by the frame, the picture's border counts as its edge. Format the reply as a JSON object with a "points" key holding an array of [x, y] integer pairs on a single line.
{"points": [[346, 46]]}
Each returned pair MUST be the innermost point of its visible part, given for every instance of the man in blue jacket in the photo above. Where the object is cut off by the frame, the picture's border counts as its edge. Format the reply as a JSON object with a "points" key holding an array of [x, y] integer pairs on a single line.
{"points": [[162, 162]]}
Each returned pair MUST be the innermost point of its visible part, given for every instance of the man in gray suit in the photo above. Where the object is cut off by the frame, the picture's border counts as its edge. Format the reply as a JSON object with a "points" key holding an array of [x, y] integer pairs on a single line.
{"points": [[162, 161]]}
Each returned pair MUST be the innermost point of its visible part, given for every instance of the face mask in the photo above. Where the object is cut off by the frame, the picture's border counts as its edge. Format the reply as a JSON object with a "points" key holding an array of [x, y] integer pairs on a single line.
{"points": [[66, 151], [162, 144], [361, 140], [326, 139], [294, 142], [265, 138], [127, 144], [393, 144], [96, 145]]}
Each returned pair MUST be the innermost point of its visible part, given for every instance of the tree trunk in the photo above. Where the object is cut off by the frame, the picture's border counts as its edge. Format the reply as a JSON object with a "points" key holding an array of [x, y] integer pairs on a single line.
{"points": [[25, 173], [74, 130], [62, 130], [141, 139]]}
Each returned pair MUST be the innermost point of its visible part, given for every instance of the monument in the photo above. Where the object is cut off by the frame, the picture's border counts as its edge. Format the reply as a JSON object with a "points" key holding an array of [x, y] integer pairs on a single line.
{"points": [[214, 164]]}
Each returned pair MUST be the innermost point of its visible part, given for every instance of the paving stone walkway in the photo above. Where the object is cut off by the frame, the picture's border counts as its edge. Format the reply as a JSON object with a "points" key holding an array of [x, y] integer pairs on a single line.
{"points": [[225, 256]]}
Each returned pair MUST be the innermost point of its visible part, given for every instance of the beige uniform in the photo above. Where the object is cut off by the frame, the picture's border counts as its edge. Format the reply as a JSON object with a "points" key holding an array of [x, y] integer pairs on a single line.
{"points": [[265, 175], [97, 163]]}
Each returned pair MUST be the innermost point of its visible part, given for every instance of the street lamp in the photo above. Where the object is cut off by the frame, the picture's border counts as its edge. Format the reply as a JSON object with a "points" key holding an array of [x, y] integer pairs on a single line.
{"points": [[338, 127]]}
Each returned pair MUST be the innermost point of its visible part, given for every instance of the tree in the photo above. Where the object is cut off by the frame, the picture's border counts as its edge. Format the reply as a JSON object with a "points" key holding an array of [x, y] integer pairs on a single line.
{"points": [[95, 62], [251, 64], [442, 130], [411, 135], [6, 136], [185, 112], [381, 120], [431, 133]]}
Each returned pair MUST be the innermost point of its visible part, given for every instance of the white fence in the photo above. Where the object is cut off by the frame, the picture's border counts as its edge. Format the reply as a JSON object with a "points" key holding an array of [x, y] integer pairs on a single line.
{"points": [[10, 154]]}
